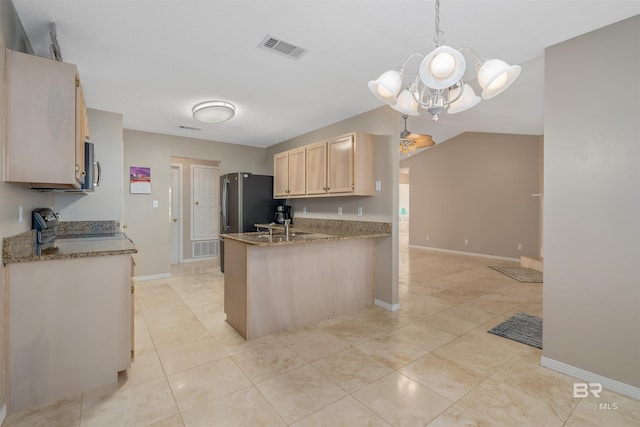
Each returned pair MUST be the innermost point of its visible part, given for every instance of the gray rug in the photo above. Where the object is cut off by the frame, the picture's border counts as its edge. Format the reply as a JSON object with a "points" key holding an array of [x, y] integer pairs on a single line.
{"points": [[520, 274], [523, 328]]}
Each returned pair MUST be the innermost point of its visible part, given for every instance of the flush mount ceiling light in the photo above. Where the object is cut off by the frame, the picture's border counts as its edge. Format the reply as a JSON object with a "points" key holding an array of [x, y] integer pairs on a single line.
{"points": [[214, 111], [438, 86], [410, 141]]}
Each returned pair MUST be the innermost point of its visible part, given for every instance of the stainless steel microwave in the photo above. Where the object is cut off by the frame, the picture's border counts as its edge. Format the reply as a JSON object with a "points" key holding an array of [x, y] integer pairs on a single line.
{"points": [[92, 169]]}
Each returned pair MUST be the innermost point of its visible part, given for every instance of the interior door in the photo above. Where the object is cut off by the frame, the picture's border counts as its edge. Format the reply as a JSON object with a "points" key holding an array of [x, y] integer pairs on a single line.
{"points": [[175, 214], [204, 203]]}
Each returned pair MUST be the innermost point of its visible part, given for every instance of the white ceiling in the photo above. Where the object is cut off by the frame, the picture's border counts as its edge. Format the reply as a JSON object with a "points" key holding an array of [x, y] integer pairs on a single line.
{"points": [[153, 60]]}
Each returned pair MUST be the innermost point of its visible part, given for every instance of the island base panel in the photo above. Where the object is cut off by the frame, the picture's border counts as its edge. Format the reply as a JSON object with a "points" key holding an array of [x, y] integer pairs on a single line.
{"points": [[293, 285], [235, 285]]}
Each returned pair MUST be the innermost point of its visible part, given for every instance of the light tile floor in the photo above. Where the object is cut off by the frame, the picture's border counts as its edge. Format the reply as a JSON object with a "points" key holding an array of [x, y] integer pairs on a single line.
{"points": [[430, 363]]}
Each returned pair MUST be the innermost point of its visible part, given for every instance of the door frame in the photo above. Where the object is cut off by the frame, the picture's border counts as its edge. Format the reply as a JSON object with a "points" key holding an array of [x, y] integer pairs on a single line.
{"points": [[179, 166]]}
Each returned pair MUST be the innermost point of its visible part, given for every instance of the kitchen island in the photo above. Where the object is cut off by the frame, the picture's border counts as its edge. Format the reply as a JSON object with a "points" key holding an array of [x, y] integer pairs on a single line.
{"points": [[69, 306], [323, 269]]}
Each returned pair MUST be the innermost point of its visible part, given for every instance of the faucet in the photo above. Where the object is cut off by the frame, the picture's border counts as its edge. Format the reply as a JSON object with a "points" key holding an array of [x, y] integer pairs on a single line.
{"points": [[286, 227]]}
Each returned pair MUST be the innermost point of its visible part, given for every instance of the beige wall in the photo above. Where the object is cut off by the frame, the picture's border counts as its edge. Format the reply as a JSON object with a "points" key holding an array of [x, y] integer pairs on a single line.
{"points": [[477, 187], [106, 202], [592, 203], [384, 124], [186, 199], [149, 227]]}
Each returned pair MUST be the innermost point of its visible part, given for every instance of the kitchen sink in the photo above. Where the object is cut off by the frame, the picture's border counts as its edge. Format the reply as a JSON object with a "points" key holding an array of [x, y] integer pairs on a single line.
{"points": [[279, 234]]}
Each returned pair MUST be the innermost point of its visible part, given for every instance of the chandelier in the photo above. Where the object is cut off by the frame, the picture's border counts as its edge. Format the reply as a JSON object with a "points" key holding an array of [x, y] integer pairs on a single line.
{"points": [[438, 86]]}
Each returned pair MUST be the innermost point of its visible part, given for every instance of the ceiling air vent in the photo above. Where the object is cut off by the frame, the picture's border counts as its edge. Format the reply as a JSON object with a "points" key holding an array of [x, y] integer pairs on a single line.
{"points": [[274, 44], [188, 128]]}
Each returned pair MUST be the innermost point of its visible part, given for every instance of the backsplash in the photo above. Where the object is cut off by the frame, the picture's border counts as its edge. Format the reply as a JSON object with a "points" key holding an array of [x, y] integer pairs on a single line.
{"points": [[24, 243], [66, 228], [365, 227]]}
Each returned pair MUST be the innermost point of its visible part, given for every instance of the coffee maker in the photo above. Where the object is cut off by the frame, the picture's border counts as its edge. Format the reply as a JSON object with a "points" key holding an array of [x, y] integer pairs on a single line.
{"points": [[283, 212]]}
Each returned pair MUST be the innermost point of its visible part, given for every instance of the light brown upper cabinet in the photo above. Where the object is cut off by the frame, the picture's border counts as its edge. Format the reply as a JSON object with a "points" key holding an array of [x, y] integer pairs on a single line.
{"points": [[341, 166], [46, 122], [317, 168], [82, 131], [289, 173]]}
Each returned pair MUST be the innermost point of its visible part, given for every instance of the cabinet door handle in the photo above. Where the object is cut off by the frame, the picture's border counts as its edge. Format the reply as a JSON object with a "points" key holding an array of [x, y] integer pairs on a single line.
{"points": [[197, 203]]}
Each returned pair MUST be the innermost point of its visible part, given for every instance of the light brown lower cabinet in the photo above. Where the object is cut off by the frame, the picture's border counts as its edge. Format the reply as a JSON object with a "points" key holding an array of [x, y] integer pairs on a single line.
{"points": [[70, 327]]}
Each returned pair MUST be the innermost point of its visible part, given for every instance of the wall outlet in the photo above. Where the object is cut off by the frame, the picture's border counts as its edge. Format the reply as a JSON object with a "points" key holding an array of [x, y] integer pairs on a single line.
{"points": [[359, 211], [520, 246], [20, 214], [428, 237], [466, 241], [378, 185], [339, 210], [304, 210], [155, 203]]}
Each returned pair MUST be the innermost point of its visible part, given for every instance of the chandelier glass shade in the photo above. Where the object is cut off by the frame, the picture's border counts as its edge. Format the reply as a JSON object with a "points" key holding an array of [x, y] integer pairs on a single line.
{"points": [[439, 85]]}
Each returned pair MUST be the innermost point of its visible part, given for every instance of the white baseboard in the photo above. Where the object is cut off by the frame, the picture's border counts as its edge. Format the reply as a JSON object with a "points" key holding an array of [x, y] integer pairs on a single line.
{"points": [[208, 258], [451, 251], [611, 384], [386, 305], [3, 413], [151, 277]]}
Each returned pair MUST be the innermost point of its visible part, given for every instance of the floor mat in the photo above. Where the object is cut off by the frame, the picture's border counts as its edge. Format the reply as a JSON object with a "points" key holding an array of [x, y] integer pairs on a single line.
{"points": [[520, 274], [524, 328]]}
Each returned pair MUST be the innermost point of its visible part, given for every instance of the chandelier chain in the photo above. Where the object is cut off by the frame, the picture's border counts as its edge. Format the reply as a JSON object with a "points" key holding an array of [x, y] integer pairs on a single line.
{"points": [[438, 38]]}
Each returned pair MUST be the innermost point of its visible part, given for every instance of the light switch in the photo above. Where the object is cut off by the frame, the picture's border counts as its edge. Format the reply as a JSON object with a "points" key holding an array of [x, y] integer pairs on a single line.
{"points": [[155, 203], [378, 185]]}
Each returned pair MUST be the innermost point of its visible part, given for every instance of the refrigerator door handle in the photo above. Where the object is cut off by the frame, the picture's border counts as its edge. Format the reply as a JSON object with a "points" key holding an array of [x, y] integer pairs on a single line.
{"points": [[225, 204]]}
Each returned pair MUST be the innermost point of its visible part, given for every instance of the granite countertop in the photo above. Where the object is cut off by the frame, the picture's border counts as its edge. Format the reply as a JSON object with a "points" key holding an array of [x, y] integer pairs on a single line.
{"points": [[313, 230], [73, 241]]}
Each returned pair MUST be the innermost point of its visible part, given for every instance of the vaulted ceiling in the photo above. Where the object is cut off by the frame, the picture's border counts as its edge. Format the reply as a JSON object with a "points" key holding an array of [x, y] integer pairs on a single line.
{"points": [[153, 60]]}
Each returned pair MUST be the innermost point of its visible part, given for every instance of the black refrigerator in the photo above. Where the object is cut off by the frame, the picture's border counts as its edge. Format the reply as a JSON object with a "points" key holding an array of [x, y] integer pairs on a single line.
{"points": [[245, 199]]}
